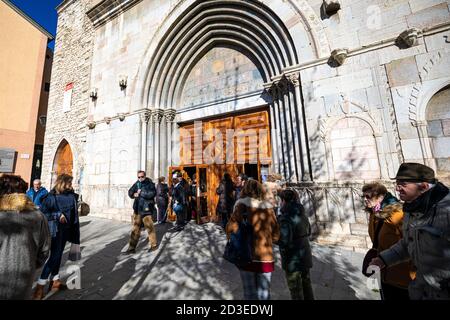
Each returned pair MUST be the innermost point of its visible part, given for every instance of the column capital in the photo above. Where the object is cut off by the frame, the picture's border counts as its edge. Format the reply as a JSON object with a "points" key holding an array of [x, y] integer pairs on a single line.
{"points": [[281, 85], [170, 114], [294, 78], [145, 116], [157, 115]]}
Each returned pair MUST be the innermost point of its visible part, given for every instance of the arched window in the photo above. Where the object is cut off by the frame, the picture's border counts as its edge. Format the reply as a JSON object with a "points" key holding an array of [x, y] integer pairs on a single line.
{"points": [[354, 150], [438, 119]]}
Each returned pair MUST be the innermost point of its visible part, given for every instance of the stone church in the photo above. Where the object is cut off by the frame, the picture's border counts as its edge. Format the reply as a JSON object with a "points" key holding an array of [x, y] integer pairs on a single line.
{"points": [[335, 93]]}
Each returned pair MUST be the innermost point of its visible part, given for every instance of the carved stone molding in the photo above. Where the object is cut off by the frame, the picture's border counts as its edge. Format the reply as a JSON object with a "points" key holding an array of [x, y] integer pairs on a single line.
{"points": [[294, 78], [331, 6], [91, 125], [282, 85], [145, 116], [170, 114], [157, 115], [339, 55], [410, 36]]}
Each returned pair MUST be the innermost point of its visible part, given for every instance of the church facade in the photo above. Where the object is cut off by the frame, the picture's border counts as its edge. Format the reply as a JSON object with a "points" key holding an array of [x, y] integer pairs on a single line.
{"points": [[333, 94]]}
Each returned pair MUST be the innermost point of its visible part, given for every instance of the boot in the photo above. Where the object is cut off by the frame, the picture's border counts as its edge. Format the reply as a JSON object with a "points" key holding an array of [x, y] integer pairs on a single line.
{"points": [[57, 285], [38, 292]]}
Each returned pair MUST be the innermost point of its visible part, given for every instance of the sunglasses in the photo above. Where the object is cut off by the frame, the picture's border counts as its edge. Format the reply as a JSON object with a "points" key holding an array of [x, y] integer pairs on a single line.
{"points": [[141, 177]]}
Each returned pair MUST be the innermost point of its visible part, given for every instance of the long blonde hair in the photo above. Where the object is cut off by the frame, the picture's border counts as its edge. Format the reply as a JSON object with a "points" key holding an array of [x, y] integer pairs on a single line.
{"points": [[63, 183]]}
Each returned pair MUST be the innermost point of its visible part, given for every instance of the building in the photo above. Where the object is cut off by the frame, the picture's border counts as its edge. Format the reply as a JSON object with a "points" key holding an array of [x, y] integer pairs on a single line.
{"points": [[25, 65], [336, 93]]}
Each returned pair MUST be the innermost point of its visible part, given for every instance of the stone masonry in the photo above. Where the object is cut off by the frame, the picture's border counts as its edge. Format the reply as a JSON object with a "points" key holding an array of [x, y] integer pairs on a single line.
{"points": [[351, 95]]}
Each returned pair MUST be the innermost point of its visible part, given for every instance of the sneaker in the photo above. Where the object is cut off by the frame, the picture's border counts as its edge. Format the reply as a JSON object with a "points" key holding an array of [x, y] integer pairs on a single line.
{"points": [[154, 248], [130, 251]]}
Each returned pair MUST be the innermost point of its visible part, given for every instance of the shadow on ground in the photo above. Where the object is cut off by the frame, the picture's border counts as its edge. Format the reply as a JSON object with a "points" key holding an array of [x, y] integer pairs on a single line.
{"points": [[189, 265]]}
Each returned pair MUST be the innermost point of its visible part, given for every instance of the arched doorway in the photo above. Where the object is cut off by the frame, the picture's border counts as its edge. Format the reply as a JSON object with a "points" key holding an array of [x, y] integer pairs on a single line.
{"points": [[438, 125], [63, 162]]}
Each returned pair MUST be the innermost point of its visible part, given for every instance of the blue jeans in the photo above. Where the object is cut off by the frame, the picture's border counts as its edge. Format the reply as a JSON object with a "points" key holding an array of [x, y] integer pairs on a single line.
{"points": [[53, 263], [256, 285], [179, 210]]}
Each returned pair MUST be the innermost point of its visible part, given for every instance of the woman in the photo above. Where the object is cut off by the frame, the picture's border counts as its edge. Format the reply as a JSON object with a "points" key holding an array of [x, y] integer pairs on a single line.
{"points": [[226, 198], [24, 239], [256, 275], [272, 189], [60, 208], [296, 257], [162, 199], [385, 229]]}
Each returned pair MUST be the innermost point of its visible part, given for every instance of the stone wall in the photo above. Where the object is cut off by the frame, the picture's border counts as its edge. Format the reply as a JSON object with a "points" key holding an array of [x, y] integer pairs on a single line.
{"points": [[337, 214], [363, 118], [71, 64]]}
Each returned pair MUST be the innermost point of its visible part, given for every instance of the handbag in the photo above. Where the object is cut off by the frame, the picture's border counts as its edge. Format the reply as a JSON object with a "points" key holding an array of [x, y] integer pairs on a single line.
{"points": [[373, 252], [238, 249], [83, 208]]}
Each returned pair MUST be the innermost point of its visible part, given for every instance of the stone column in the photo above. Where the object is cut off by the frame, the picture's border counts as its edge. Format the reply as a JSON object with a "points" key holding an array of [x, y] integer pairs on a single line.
{"points": [[381, 156], [286, 130], [145, 117], [280, 127], [273, 131], [425, 144], [169, 116], [157, 117], [302, 132]]}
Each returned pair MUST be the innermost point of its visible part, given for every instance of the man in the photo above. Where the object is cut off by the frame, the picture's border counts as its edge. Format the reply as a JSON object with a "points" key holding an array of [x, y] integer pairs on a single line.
{"points": [[37, 192], [241, 179], [426, 233], [179, 200], [143, 192]]}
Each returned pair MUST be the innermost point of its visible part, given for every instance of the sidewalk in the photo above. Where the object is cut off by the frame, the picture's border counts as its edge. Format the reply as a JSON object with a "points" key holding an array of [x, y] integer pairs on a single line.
{"points": [[189, 265]]}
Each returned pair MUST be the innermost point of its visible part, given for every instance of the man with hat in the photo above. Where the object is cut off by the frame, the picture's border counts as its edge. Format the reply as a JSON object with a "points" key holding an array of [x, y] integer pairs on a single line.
{"points": [[426, 232]]}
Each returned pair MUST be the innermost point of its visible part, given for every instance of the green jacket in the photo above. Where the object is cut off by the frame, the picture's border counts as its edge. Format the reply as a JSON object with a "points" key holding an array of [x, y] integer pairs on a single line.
{"points": [[294, 243]]}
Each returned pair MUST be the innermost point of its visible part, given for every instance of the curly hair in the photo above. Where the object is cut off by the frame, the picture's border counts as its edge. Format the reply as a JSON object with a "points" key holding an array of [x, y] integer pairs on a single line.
{"points": [[10, 183], [253, 189]]}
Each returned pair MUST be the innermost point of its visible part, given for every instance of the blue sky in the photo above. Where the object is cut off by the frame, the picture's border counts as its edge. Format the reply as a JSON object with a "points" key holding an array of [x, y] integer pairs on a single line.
{"points": [[41, 11]]}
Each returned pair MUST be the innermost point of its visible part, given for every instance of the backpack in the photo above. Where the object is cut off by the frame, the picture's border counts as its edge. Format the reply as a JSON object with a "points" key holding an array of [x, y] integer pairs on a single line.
{"points": [[238, 249]]}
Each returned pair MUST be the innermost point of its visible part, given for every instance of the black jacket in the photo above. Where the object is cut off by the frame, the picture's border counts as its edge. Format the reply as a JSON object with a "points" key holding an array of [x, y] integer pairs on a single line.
{"points": [[226, 197], [294, 238], [179, 194], [162, 194], [53, 205], [145, 203]]}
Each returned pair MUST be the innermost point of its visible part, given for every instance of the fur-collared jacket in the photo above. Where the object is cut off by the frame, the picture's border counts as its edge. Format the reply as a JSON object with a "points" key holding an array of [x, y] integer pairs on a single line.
{"points": [[391, 214], [24, 245], [426, 241], [265, 227]]}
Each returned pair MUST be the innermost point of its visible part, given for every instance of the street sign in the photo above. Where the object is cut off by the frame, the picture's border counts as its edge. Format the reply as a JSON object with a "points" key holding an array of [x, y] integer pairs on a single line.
{"points": [[7, 157]]}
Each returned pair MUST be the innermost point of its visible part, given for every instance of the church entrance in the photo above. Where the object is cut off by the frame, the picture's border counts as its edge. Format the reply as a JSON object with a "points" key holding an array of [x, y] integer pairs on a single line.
{"points": [[234, 144], [63, 162]]}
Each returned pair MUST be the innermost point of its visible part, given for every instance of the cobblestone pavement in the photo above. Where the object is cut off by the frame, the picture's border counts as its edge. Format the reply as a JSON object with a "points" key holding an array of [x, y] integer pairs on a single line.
{"points": [[189, 265]]}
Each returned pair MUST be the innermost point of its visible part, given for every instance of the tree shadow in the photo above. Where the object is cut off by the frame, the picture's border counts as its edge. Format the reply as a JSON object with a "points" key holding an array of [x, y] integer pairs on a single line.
{"points": [[189, 265]]}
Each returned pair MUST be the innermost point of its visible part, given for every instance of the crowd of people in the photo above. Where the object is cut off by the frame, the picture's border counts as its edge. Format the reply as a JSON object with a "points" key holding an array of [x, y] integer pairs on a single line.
{"points": [[410, 235]]}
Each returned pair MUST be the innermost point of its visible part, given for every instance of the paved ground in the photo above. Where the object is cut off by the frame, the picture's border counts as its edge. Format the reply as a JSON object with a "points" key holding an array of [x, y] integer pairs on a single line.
{"points": [[188, 265]]}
